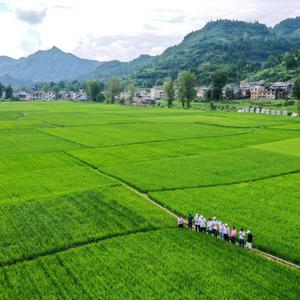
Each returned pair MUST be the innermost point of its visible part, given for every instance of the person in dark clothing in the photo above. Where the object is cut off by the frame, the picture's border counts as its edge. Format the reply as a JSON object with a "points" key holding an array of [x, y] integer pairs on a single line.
{"points": [[249, 240], [190, 220]]}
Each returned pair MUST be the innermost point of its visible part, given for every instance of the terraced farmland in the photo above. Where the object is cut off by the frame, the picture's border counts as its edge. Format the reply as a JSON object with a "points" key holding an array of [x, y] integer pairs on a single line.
{"points": [[71, 225]]}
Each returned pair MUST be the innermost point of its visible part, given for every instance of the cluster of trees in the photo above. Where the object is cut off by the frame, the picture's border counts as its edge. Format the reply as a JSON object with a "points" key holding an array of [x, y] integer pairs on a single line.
{"points": [[6, 91], [185, 87], [99, 91]]}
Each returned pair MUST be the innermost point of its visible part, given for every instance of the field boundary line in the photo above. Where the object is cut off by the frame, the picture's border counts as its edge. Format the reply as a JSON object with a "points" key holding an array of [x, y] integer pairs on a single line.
{"points": [[174, 139], [173, 214], [76, 245], [62, 138], [225, 184]]}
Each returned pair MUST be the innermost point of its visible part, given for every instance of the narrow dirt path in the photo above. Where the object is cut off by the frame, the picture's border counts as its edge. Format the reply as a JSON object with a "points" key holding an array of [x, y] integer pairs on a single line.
{"points": [[148, 198]]}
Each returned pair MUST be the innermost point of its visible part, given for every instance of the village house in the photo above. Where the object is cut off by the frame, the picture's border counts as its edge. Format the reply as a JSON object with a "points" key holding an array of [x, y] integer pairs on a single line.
{"points": [[157, 93], [277, 90], [200, 91], [245, 87], [143, 95], [79, 96], [234, 87]]}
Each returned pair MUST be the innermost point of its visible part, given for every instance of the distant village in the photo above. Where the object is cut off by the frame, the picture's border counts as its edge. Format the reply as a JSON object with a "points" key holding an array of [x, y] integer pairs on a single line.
{"points": [[243, 90]]}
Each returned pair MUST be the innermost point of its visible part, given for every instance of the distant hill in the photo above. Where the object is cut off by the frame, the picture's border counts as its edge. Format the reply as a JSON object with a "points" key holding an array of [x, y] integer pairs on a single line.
{"points": [[243, 50], [55, 65], [289, 27], [118, 68], [49, 65], [237, 47]]}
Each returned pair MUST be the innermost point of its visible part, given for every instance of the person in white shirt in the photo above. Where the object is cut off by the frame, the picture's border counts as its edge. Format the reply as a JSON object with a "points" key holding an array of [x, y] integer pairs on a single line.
{"points": [[202, 224], [215, 227], [180, 221], [196, 220], [221, 230], [242, 235], [226, 232], [210, 226]]}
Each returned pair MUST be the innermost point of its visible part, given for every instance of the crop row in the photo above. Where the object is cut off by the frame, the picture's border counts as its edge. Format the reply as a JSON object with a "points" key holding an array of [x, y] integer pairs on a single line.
{"points": [[162, 264], [36, 175], [40, 225]]}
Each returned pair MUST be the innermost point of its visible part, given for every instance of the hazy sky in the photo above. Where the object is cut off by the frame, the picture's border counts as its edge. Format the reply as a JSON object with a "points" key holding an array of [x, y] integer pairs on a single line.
{"points": [[121, 29]]}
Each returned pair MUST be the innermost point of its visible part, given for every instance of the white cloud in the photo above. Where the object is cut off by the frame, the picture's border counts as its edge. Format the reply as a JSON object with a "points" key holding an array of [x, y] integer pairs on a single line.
{"points": [[118, 29]]}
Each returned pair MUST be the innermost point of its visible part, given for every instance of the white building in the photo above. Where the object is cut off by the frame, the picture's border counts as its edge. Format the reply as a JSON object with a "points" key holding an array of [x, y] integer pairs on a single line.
{"points": [[200, 91], [157, 93]]}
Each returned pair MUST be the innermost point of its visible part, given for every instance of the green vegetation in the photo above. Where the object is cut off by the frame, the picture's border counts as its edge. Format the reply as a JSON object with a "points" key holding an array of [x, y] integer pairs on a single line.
{"points": [[169, 91], [242, 50], [70, 228], [268, 207], [152, 265]]}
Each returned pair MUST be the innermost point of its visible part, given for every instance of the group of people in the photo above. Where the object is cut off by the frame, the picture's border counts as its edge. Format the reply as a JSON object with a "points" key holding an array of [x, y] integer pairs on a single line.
{"points": [[218, 229]]}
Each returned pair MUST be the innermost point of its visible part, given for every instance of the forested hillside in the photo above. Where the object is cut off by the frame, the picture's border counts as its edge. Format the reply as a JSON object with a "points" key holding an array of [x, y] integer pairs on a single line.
{"points": [[239, 48]]}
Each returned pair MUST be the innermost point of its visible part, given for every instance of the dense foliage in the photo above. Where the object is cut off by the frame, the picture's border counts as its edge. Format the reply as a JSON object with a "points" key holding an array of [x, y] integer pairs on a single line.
{"points": [[238, 48]]}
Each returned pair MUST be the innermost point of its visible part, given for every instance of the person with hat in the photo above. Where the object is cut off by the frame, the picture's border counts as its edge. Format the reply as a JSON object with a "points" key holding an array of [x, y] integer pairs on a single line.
{"points": [[202, 224], [215, 226]]}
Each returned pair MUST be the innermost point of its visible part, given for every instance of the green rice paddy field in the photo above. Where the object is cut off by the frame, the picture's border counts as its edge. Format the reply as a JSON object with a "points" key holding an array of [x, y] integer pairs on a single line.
{"points": [[72, 228]]}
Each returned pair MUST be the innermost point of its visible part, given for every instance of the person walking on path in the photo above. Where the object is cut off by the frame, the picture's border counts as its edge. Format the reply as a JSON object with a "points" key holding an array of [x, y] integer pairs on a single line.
{"points": [[233, 235], [249, 240], [202, 224], [190, 220], [196, 220], [221, 230], [226, 232], [180, 221], [242, 235], [215, 226], [210, 226]]}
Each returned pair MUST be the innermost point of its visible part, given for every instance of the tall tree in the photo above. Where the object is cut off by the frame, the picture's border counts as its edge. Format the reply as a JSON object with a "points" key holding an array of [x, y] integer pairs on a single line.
{"points": [[94, 88], [186, 88], [131, 92], [1, 89], [296, 88], [114, 87], [9, 92], [219, 79], [169, 91]]}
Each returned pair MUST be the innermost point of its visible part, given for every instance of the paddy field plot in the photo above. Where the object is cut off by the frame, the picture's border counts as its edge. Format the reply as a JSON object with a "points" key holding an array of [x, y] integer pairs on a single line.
{"points": [[70, 226], [154, 265]]}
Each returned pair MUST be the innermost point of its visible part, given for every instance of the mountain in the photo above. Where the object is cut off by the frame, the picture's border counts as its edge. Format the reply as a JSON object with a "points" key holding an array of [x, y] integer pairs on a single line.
{"points": [[49, 65], [118, 68], [237, 47], [289, 27]]}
